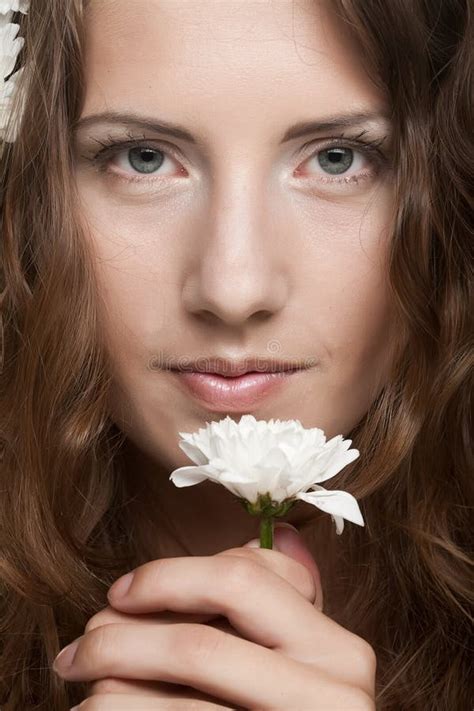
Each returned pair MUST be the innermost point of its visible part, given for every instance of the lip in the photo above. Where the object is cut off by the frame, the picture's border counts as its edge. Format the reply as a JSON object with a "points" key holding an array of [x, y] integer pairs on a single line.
{"points": [[232, 394], [232, 367]]}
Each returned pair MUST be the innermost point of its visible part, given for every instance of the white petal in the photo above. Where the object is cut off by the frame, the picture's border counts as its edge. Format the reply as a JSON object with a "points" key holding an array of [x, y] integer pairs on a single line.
{"points": [[339, 521], [278, 458], [333, 459], [188, 476], [337, 503], [5, 18], [267, 480], [193, 452], [199, 442], [238, 488], [10, 46], [341, 458], [247, 423], [239, 476], [14, 6]]}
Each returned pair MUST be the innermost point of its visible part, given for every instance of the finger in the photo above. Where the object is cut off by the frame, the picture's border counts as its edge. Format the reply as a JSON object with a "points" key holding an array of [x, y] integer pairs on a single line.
{"points": [[207, 660], [110, 614], [289, 547], [359, 668], [112, 685], [153, 689], [162, 690], [288, 540], [291, 568], [256, 601], [126, 702]]}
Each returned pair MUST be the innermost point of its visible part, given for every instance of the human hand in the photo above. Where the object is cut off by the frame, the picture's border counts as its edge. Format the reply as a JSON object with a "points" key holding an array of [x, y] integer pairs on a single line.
{"points": [[136, 689], [302, 660], [177, 692]]}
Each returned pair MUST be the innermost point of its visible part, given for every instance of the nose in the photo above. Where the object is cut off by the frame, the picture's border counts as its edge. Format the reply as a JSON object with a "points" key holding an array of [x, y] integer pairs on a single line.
{"points": [[236, 272]]}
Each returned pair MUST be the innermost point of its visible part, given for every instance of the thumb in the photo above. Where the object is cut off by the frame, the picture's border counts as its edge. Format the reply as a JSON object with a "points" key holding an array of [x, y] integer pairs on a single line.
{"points": [[287, 540]]}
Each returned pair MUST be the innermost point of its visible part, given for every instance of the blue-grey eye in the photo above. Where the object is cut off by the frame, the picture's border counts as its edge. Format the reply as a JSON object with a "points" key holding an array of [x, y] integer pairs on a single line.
{"points": [[145, 160], [336, 160]]}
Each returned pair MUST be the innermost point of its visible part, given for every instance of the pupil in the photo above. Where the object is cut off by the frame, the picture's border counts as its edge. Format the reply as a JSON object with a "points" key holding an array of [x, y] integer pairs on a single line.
{"points": [[145, 160], [336, 160]]}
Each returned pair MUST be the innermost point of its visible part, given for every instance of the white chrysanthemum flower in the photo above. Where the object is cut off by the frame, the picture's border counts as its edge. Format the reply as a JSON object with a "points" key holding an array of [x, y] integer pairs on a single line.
{"points": [[7, 6], [10, 46], [270, 465]]}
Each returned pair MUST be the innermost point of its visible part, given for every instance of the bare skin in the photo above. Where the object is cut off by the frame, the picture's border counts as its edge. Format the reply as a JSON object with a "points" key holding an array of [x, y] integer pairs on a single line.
{"points": [[227, 252], [236, 245]]}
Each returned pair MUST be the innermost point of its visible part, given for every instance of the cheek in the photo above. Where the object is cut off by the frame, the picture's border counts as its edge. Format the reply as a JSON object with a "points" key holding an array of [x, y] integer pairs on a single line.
{"points": [[135, 307], [344, 267], [134, 260], [355, 308]]}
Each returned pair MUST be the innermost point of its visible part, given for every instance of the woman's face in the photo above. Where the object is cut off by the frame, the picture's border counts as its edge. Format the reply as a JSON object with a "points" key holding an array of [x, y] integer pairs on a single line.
{"points": [[236, 243]]}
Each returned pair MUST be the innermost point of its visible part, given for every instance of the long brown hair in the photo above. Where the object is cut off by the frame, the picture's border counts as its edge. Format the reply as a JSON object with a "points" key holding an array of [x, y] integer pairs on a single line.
{"points": [[66, 533]]}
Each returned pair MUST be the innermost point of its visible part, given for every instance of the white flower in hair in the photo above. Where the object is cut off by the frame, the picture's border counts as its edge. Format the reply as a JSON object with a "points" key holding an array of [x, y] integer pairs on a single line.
{"points": [[270, 465], [10, 46], [14, 6]]}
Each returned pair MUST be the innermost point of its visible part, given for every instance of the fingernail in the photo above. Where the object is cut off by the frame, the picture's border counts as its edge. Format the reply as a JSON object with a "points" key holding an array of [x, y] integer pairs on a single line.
{"points": [[65, 658], [284, 524], [121, 586], [285, 535], [254, 543]]}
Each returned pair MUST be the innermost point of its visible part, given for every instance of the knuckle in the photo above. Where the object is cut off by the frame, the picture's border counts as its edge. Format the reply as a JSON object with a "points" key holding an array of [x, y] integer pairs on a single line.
{"points": [[363, 662], [241, 574], [365, 656], [294, 572]]}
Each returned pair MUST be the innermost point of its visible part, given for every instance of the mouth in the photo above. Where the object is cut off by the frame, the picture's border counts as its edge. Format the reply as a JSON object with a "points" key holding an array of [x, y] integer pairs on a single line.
{"points": [[234, 393]]}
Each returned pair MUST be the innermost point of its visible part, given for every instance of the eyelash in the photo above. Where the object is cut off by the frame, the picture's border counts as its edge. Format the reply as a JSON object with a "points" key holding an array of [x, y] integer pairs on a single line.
{"points": [[370, 148]]}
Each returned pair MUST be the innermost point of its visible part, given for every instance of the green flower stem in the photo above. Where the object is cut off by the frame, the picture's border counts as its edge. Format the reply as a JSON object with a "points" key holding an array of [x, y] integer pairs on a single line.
{"points": [[266, 532]]}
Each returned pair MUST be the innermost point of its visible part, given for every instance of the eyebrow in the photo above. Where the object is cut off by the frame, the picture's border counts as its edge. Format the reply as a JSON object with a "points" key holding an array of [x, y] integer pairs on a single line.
{"points": [[172, 129]]}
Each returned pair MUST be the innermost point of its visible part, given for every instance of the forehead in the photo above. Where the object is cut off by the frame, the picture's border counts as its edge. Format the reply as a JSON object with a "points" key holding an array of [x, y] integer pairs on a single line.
{"points": [[223, 59]]}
